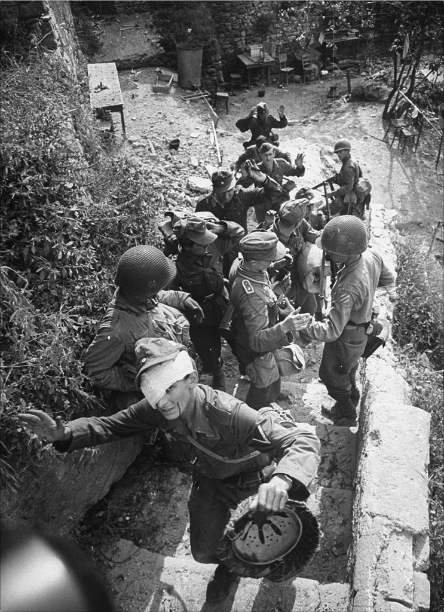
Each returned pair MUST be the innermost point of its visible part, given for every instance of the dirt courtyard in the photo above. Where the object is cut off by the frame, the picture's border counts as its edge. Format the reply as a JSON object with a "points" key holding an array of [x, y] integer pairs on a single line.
{"points": [[406, 184]]}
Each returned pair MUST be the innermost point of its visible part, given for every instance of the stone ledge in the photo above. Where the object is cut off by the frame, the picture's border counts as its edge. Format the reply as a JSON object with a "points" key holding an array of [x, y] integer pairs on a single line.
{"points": [[390, 521]]}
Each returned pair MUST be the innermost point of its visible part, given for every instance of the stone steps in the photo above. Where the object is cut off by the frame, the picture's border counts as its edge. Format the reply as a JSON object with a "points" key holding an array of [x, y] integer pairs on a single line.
{"points": [[148, 582]]}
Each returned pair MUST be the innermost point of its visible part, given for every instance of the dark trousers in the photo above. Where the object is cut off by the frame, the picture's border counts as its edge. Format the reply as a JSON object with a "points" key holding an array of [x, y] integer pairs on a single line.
{"points": [[340, 361], [207, 343], [209, 504], [259, 397]]}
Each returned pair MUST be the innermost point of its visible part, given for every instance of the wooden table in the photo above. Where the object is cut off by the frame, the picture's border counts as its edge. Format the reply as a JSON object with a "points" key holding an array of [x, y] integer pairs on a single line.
{"points": [[104, 89], [249, 64], [345, 45]]}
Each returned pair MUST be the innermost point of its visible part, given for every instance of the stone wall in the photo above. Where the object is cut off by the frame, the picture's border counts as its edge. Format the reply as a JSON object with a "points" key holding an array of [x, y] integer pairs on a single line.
{"points": [[235, 26]]}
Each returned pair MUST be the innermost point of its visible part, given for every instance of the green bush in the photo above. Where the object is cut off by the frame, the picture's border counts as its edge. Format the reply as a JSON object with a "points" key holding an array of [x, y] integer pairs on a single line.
{"points": [[418, 330], [69, 210], [418, 318]]}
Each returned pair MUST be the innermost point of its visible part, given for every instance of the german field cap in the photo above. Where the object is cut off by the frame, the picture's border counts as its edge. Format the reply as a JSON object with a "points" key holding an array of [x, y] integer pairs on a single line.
{"points": [[223, 180], [293, 211], [161, 363], [194, 229], [261, 245]]}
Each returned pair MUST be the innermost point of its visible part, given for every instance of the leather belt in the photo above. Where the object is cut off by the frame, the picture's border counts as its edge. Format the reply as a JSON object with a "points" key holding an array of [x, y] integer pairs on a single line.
{"points": [[205, 298], [251, 478], [358, 324]]}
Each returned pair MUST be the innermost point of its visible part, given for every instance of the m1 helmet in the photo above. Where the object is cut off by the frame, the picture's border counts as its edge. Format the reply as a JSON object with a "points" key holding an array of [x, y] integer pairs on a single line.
{"points": [[342, 144], [143, 271], [344, 235]]}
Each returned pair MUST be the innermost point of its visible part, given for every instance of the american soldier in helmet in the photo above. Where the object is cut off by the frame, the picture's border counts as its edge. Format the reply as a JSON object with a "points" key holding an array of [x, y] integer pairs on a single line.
{"points": [[344, 330], [141, 307], [352, 196]]}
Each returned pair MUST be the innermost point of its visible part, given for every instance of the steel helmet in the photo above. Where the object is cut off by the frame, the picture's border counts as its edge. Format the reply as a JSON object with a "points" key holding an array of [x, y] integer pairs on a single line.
{"points": [[344, 235], [277, 545], [143, 270], [342, 144]]}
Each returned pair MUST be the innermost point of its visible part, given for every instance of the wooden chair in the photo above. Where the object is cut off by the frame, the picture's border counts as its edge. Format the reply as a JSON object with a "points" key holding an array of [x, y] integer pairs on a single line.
{"points": [[397, 120], [400, 122], [412, 133], [308, 67], [235, 80], [283, 68], [220, 96]]}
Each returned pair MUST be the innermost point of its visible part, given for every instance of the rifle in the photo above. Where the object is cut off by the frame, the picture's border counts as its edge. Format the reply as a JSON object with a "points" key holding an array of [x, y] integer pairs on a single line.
{"points": [[321, 297], [327, 205], [330, 181]]}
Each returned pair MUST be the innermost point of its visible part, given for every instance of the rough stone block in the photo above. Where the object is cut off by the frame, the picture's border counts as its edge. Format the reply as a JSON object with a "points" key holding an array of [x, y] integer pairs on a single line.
{"points": [[393, 468], [421, 592], [334, 596], [383, 569], [394, 571], [386, 384]]}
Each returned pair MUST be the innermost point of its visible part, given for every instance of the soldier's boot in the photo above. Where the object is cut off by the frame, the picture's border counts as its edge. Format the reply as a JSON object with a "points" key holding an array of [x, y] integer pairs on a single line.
{"points": [[219, 381], [340, 411], [220, 585], [355, 394]]}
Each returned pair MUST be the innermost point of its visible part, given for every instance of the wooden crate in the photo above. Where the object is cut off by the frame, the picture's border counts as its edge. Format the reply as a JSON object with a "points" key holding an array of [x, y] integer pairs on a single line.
{"points": [[163, 83]]}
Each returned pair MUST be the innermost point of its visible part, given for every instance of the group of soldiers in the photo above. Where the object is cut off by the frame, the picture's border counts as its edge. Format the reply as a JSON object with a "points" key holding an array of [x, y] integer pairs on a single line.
{"points": [[214, 262]]}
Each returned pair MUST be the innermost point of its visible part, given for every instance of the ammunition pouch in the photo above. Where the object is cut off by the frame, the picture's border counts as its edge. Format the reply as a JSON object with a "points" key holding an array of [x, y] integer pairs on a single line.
{"points": [[377, 332]]}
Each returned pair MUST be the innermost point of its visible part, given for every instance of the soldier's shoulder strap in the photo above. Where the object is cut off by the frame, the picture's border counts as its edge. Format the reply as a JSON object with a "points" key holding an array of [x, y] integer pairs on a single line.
{"points": [[247, 286]]}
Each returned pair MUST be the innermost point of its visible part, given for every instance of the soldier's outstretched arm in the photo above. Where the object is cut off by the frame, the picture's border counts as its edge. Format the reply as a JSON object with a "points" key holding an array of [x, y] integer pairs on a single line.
{"points": [[45, 426]]}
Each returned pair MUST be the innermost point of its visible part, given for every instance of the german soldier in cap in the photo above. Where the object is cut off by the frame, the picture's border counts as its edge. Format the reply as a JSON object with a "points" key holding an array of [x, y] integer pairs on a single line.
{"points": [[230, 202], [253, 152], [344, 331], [259, 330], [202, 245], [233, 450], [140, 308], [261, 123]]}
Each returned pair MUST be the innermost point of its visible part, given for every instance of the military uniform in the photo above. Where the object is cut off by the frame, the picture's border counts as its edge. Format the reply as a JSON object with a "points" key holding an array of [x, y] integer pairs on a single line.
{"points": [[344, 330], [347, 200], [257, 331], [295, 244], [110, 360], [281, 168], [261, 126], [236, 209], [227, 444], [202, 277], [252, 152]]}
